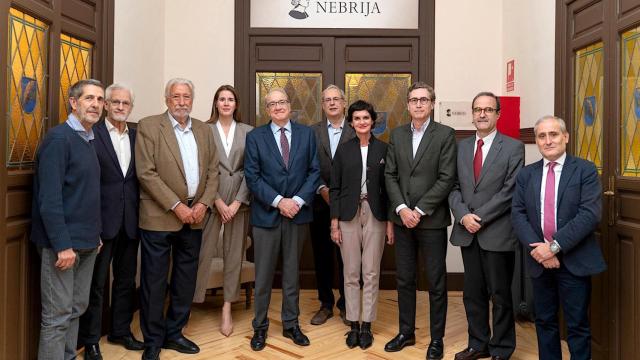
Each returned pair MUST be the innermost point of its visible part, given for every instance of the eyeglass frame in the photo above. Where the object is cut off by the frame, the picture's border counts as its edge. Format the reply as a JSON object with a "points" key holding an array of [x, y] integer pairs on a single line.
{"points": [[423, 100], [272, 104], [487, 110]]}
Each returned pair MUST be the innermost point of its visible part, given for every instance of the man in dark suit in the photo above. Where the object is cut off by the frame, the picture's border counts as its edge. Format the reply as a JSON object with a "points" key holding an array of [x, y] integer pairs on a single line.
{"points": [[329, 134], [177, 167], [556, 208], [481, 204], [420, 172], [114, 144], [282, 173]]}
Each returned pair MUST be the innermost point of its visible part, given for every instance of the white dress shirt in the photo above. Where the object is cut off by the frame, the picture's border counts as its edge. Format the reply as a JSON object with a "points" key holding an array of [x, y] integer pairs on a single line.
{"points": [[121, 145], [364, 151], [227, 141], [189, 154], [276, 135], [334, 136], [488, 140], [558, 171]]}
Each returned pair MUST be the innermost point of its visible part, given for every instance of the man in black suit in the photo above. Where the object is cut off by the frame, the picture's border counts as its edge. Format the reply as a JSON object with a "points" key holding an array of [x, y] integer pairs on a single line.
{"points": [[420, 173], [114, 144], [329, 134], [488, 163]]}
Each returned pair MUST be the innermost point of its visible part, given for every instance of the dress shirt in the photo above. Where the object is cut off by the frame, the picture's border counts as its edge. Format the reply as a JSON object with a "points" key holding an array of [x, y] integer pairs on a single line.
{"points": [[334, 136], [488, 140], [558, 171], [227, 141], [364, 151], [275, 129], [416, 138], [189, 154], [121, 145], [75, 124]]}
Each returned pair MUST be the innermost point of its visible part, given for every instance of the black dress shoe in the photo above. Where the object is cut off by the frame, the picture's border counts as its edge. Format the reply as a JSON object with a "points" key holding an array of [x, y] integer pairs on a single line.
{"points": [[353, 335], [181, 345], [92, 352], [322, 316], [399, 342], [128, 341], [296, 335], [498, 357], [472, 354], [435, 350], [366, 337], [259, 340], [151, 353]]}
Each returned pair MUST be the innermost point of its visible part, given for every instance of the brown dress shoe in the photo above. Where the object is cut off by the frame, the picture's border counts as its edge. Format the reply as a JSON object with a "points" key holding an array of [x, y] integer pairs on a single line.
{"points": [[472, 354], [322, 316]]}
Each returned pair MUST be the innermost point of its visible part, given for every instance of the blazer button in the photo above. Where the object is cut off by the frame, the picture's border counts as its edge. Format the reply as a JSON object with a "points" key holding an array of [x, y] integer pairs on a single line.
{"points": [[472, 209], [475, 191], [230, 174]]}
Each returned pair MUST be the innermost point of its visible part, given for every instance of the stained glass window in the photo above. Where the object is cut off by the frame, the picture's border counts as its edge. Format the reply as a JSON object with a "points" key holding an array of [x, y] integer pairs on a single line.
{"points": [[26, 87], [75, 64], [630, 104], [588, 102], [388, 95], [304, 90]]}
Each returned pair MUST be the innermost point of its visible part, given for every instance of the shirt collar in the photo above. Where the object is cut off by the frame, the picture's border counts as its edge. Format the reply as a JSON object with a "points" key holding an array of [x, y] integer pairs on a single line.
{"points": [[423, 127], [275, 128], [329, 125], [75, 124], [489, 138], [560, 161], [112, 128], [176, 124]]}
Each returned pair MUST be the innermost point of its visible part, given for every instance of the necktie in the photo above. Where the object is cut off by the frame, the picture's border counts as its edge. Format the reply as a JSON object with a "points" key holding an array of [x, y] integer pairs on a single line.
{"points": [[477, 160], [549, 204], [284, 144]]}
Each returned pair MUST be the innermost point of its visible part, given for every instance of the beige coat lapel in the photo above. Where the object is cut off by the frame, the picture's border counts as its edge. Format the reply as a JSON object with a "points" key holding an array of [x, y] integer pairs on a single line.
{"points": [[169, 135]]}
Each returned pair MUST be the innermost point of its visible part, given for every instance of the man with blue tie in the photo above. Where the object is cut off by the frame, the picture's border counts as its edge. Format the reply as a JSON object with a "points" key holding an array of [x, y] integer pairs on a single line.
{"points": [[282, 173], [556, 208]]}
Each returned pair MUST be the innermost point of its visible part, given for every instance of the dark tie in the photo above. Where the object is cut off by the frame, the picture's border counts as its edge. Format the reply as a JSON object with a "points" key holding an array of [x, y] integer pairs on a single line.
{"points": [[284, 144], [549, 204], [477, 160]]}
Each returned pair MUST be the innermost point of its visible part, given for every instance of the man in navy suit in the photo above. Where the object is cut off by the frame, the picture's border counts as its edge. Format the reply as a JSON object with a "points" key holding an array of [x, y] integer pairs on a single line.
{"points": [[119, 194], [282, 173], [556, 207]]}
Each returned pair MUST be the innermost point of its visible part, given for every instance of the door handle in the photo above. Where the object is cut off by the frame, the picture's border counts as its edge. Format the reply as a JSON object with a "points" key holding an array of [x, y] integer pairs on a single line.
{"points": [[609, 193], [612, 201]]}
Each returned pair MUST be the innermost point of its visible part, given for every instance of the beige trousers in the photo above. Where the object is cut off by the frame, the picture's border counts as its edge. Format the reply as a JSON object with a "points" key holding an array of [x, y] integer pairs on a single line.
{"points": [[361, 248]]}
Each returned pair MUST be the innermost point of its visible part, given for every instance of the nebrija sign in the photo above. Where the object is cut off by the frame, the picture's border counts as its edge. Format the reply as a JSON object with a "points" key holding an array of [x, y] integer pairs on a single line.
{"points": [[380, 14]]}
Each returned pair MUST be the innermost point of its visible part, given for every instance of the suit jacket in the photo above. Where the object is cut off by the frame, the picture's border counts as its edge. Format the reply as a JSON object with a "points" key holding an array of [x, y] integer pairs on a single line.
{"points": [[267, 176], [119, 193], [324, 148], [579, 208], [426, 180], [346, 178], [232, 183], [490, 197], [161, 172]]}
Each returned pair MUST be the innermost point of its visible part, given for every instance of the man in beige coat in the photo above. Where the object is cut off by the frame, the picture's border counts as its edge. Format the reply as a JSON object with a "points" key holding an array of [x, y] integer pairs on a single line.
{"points": [[177, 168]]}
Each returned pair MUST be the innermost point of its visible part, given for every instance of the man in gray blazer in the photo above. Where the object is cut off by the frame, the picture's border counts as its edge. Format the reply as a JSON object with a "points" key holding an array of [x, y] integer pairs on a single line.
{"points": [[488, 163], [420, 172], [329, 134]]}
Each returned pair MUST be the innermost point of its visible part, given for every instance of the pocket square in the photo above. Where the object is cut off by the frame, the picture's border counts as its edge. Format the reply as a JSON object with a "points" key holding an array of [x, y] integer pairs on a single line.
{"points": [[382, 161]]}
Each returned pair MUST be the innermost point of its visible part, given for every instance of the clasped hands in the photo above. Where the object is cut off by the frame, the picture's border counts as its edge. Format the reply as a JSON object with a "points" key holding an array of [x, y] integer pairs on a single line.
{"points": [[410, 218], [190, 215], [227, 212], [288, 207], [543, 255]]}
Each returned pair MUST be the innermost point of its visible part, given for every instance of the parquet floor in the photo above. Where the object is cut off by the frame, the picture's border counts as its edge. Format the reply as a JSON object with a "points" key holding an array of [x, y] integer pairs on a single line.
{"points": [[327, 341]]}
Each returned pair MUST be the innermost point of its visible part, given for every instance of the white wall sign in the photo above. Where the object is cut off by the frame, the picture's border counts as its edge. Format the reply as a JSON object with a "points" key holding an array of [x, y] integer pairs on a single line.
{"points": [[456, 114], [378, 14]]}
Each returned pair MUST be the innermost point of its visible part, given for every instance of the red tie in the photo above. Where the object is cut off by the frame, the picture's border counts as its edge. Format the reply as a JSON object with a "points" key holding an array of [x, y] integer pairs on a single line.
{"points": [[549, 204], [477, 160], [284, 144]]}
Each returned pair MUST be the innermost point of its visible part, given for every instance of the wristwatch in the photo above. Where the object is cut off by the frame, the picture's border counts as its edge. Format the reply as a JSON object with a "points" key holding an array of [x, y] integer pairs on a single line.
{"points": [[554, 247]]}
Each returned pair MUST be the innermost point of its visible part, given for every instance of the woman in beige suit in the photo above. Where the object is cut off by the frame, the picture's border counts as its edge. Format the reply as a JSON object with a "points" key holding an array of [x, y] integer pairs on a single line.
{"points": [[231, 203]]}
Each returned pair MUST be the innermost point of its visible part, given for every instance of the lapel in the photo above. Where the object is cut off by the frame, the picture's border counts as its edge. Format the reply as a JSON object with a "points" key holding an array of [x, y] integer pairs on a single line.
{"points": [[201, 142], [167, 132], [295, 142], [270, 140], [465, 149], [217, 139], [496, 146], [347, 133], [132, 144], [234, 152], [102, 132], [425, 143], [537, 187], [568, 169], [324, 138]]}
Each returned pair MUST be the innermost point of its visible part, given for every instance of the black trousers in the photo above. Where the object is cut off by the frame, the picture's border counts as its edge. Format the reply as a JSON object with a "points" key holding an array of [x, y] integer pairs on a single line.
{"points": [[487, 278], [158, 250], [431, 245], [123, 252], [325, 254]]}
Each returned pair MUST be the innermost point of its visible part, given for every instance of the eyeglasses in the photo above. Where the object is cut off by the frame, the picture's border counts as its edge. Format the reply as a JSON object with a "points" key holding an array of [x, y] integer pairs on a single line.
{"points": [[487, 110], [274, 103], [334, 99], [422, 100], [117, 103]]}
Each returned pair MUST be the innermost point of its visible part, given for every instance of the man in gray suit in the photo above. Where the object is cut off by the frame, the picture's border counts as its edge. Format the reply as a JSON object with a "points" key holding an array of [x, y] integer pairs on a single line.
{"points": [[420, 172], [329, 134], [488, 163]]}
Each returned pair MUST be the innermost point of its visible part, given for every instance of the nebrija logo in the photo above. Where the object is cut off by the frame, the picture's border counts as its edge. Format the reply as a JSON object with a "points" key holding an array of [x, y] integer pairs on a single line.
{"points": [[299, 10]]}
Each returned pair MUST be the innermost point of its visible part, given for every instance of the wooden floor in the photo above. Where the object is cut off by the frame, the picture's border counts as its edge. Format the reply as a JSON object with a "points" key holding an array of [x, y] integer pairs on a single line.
{"points": [[327, 341]]}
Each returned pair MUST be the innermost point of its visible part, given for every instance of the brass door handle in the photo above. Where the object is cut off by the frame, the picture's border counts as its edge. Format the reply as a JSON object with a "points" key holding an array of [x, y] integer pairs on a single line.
{"points": [[609, 193]]}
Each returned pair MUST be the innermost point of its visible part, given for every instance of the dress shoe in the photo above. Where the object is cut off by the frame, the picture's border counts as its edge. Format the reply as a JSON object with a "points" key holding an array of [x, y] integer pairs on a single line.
{"points": [[399, 342], [128, 341], [259, 340], [435, 350], [343, 316], [151, 353], [296, 335], [322, 316], [181, 345], [92, 352], [353, 335], [366, 337], [472, 354], [498, 357]]}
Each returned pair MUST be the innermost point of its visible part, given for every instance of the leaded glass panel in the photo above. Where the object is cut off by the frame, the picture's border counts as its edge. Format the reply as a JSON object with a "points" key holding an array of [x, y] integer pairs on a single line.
{"points": [[304, 91], [75, 64], [630, 104], [588, 108], [26, 87], [386, 92]]}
